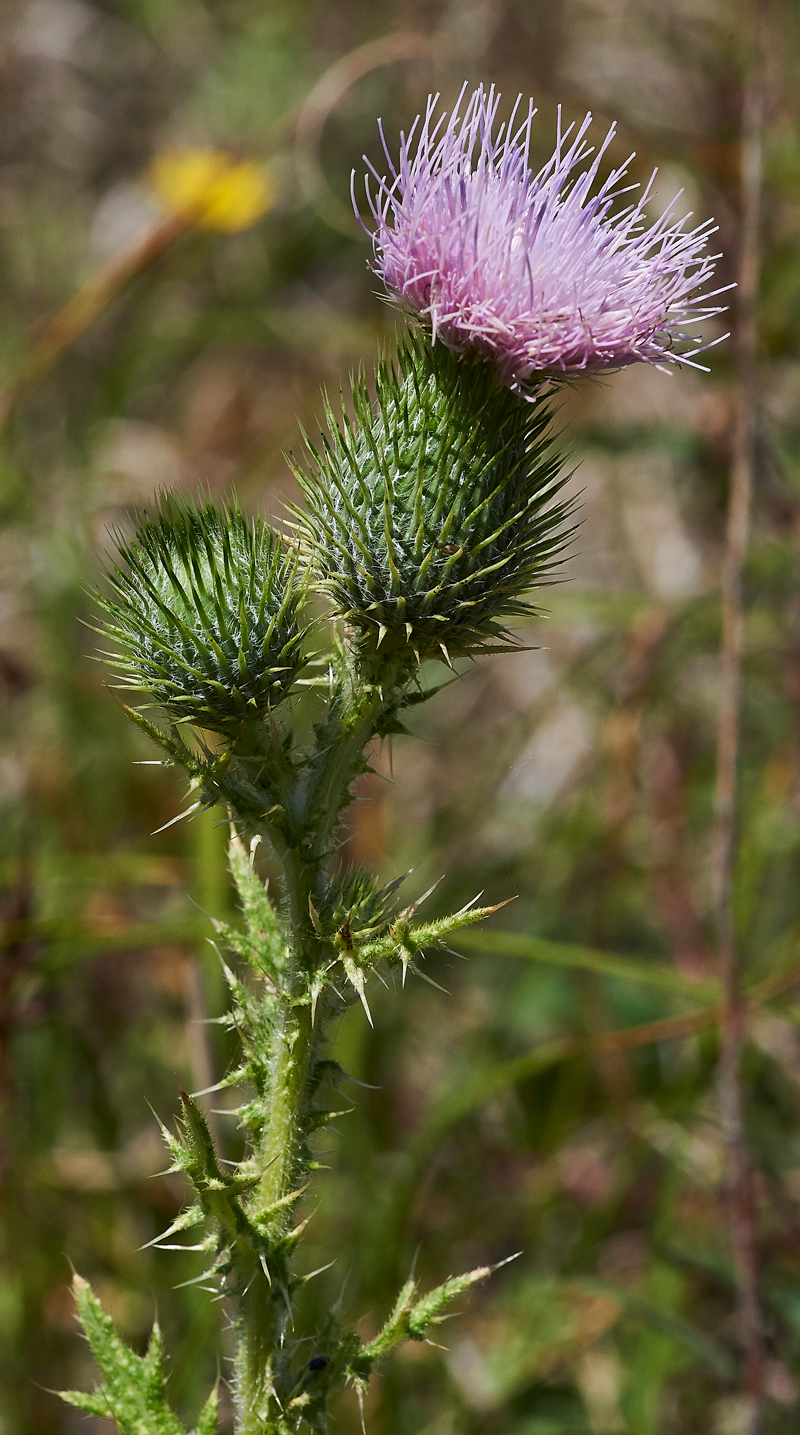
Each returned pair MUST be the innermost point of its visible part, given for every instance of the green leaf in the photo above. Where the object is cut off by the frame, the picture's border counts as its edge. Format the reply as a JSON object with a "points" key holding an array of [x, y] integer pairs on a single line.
{"points": [[411, 1319], [429, 1310], [172, 742], [133, 1390], [406, 941], [207, 1422], [92, 1404], [263, 944]]}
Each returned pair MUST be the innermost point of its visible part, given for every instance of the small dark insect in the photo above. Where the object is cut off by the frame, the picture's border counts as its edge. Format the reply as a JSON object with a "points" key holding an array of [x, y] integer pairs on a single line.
{"points": [[318, 1362], [448, 549], [346, 935]]}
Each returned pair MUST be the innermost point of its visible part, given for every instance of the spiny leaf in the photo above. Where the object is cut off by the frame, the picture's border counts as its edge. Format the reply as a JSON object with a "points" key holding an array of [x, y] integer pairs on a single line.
{"points": [[412, 1317], [406, 940], [171, 743], [428, 1311], [256, 907], [207, 1422], [133, 1389]]}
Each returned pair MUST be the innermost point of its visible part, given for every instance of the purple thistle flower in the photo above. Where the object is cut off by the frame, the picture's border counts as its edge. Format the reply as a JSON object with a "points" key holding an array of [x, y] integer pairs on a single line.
{"points": [[534, 272]]}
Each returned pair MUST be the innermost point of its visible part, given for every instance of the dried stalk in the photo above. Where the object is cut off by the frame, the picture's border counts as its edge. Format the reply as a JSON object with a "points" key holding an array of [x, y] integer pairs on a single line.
{"points": [[71, 322], [739, 1172], [323, 99]]}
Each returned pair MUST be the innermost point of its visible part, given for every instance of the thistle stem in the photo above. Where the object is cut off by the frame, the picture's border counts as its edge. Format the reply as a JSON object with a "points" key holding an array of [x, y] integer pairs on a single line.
{"points": [[280, 1147], [265, 1306], [256, 1411], [352, 722]]}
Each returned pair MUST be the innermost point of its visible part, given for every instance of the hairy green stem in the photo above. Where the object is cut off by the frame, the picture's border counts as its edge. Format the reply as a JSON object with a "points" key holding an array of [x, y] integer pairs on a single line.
{"points": [[265, 1310], [281, 1147], [354, 717], [256, 1410]]}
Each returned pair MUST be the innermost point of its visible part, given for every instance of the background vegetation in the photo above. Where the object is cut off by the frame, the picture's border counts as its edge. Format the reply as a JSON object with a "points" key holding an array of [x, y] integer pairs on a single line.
{"points": [[561, 1100]]}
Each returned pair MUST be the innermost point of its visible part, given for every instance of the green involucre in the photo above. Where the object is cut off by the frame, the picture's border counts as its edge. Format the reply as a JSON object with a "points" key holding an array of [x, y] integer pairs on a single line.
{"points": [[431, 516], [207, 614]]}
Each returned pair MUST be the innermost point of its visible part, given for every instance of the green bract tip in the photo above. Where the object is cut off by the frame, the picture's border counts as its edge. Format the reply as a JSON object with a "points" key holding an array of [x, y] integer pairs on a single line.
{"points": [[207, 614], [432, 515]]}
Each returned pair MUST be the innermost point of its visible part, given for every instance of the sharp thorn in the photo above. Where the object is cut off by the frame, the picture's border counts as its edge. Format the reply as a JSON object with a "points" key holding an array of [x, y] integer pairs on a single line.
{"points": [[415, 906], [318, 1271], [365, 1005], [429, 980], [179, 818]]}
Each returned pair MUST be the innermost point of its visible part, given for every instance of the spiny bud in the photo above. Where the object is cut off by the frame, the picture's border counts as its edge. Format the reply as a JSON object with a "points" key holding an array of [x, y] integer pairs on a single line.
{"points": [[358, 906], [432, 515], [206, 612]]}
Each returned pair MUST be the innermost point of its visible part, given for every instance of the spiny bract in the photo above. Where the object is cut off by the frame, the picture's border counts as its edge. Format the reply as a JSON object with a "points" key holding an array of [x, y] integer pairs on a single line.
{"points": [[206, 612], [358, 906], [430, 516]]}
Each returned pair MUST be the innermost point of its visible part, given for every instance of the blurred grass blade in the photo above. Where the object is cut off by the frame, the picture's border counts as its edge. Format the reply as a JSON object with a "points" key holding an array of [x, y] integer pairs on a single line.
{"points": [[703, 1346], [468, 1094], [608, 964]]}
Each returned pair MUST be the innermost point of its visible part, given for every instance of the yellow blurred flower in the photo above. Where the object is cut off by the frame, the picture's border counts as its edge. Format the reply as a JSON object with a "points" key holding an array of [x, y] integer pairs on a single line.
{"points": [[215, 190]]}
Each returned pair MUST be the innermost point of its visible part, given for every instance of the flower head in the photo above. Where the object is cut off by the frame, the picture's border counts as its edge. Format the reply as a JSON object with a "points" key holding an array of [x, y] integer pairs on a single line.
{"points": [[206, 612], [429, 519], [535, 272]]}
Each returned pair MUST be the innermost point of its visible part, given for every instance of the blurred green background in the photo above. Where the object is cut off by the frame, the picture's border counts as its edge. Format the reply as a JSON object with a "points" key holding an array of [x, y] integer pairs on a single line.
{"points": [[577, 774]]}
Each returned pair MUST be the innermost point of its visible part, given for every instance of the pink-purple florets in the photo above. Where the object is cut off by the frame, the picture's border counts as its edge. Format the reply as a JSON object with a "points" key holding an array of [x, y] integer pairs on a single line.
{"points": [[534, 272]]}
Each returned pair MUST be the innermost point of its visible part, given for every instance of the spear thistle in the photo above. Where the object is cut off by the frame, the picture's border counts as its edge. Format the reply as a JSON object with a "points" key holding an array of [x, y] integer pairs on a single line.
{"points": [[427, 521]]}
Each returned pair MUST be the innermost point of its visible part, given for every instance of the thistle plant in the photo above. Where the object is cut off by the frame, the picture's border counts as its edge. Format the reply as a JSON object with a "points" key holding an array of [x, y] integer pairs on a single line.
{"points": [[273, 661]]}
